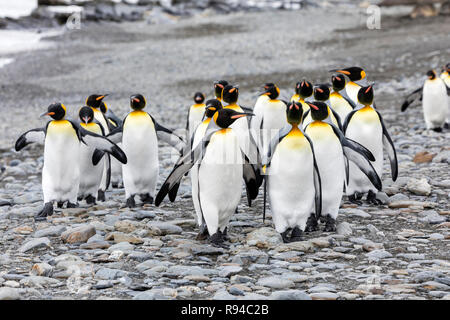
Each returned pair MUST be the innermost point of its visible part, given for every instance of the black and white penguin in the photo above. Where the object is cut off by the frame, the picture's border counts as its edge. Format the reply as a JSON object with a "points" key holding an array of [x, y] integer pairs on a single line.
{"points": [[303, 90], [195, 113], [322, 94], [339, 101], [221, 166], [269, 117], [292, 176], [365, 126], [331, 149], [61, 171], [139, 136], [218, 89], [434, 101], [357, 77], [90, 174]]}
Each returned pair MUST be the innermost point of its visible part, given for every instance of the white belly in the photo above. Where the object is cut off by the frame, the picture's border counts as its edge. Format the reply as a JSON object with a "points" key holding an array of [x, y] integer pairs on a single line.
{"points": [[140, 144], [195, 118], [352, 91], [274, 119], [98, 115], [330, 161], [291, 184], [435, 103], [365, 128], [60, 174], [340, 105], [220, 182]]}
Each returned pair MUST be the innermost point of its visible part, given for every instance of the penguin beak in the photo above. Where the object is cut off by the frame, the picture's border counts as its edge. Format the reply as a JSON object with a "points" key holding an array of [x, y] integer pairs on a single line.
{"points": [[46, 114], [86, 120]]}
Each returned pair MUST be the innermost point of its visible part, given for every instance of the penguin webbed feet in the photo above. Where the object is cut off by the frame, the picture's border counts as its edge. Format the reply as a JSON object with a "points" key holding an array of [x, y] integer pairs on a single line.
{"points": [[217, 240], [90, 199], [203, 233], [71, 205], [46, 211], [372, 199], [146, 198], [356, 198], [296, 235], [311, 223], [101, 195], [330, 224], [130, 202]]}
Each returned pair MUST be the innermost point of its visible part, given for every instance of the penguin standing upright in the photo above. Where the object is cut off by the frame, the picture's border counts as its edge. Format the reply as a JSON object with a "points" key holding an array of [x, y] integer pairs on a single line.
{"points": [[262, 99], [268, 119], [434, 101], [195, 113], [330, 148], [61, 174], [293, 179], [322, 94], [138, 135], [339, 101], [90, 174], [365, 126], [221, 167], [357, 78], [445, 76], [95, 102]]}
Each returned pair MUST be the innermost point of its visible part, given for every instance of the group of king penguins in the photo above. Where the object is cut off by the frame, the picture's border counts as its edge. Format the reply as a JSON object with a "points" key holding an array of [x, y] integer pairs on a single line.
{"points": [[305, 154], [434, 96]]}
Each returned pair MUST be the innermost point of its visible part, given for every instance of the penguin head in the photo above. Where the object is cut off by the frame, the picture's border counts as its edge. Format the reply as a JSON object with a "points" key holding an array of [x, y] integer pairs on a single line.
{"points": [[319, 110], [230, 94], [338, 81], [199, 97], [137, 102], [218, 88], [365, 95], [226, 117], [294, 112], [56, 111], [86, 114], [431, 74], [212, 106], [95, 100], [271, 90], [304, 89], [321, 92], [353, 73]]}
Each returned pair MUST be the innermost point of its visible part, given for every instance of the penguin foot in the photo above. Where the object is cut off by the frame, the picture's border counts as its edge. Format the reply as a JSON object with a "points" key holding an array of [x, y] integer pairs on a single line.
{"points": [[311, 224], [296, 235], [355, 198], [101, 195], [60, 204], [130, 202], [203, 233], [437, 129], [45, 212], [79, 198], [285, 237], [217, 238], [146, 198], [115, 185], [372, 199], [90, 199], [446, 125], [71, 205], [330, 224]]}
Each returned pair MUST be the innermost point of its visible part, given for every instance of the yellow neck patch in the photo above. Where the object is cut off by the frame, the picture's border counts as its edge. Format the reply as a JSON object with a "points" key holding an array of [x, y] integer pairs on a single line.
{"points": [[198, 105]]}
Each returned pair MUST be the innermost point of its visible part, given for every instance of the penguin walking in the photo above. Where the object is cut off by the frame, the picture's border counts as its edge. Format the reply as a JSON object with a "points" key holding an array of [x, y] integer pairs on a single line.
{"points": [[221, 166], [331, 148], [434, 101], [61, 171], [293, 179], [322, 94], [269, 118], [339, 101], [357, 77], [139, 135], [195, 113], [90, 174], [365, 126]]}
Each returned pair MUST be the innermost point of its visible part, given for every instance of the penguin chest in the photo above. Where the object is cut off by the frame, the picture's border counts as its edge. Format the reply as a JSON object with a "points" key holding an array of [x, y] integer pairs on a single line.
{"points": [[139, 138], [435, 101], [200, 132], [195, 116], [99, 116], [274, 115], [352, 89], [340, 105]]}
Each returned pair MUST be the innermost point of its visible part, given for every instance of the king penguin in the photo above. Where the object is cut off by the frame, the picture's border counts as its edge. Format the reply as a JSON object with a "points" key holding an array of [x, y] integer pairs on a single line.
{"points": [[434, 101], [322, 94], [357, 78], [195, 113], [220, 173], [269, 118], [303, 90], [139, 135], [218, 89], [366, 126], [330, 148], [339, 101], [61, 171], [292, 177], [90, 174]]}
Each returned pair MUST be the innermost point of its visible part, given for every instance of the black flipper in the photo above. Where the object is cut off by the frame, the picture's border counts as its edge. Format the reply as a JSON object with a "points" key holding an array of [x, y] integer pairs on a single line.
{"points": [[390, 148], [251, 180], [348, 118], [34, 135], [338, 118], [410, 98], [108, 171], [169, 136], [317, 183], [116, 134], [110, 115]]}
